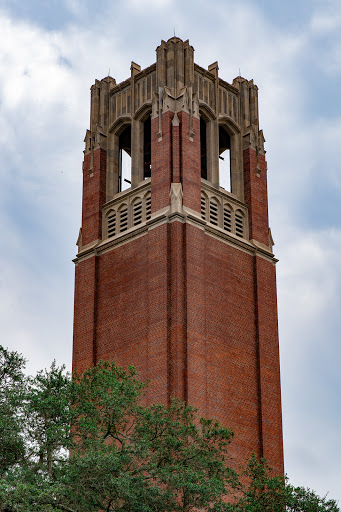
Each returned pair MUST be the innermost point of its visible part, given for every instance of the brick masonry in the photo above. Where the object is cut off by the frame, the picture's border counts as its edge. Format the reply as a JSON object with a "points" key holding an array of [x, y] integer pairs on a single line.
{"points": [[194, 314]]}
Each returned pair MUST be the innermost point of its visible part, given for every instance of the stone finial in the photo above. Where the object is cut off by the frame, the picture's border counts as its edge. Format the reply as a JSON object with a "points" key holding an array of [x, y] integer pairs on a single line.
{"points": [[214, 68], [134, 68]]}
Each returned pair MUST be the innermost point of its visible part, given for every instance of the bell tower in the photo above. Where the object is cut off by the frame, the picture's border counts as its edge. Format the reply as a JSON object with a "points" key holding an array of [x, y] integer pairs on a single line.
{"points": [[175, 272]]}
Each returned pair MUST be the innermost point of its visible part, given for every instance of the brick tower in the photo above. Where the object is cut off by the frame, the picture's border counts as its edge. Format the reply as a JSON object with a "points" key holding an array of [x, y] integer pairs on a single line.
{"points": [[175, 272]]}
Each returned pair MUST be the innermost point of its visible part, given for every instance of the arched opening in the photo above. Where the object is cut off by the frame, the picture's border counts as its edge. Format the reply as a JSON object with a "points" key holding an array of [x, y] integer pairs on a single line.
{"points": [[224, 159], [239, 220], [203, 205], [148, 205], [203, 148], [214, 211], [111, 223], [123, 218], [147, 148], [137, 211], [124, 167]]}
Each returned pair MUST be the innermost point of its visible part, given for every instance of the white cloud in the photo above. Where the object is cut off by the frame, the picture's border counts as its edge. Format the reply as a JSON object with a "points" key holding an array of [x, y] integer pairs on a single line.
{"points": [[325, 22], [149, 4], [309, 300]]}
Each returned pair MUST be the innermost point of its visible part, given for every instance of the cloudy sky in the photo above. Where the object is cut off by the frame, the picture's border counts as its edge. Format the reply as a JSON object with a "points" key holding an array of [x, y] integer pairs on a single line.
{"points": [[51, 51]]}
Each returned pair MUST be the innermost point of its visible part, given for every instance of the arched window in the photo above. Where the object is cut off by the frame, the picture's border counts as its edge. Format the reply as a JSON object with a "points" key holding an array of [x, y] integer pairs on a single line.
{"points": [[203, 206], [227, 220], [203, 148], [111, 224], [239, 220], [123, 217], [137, 211], [124, 166], [148, 205], [147, 148], [224, 159], [214, 211]]}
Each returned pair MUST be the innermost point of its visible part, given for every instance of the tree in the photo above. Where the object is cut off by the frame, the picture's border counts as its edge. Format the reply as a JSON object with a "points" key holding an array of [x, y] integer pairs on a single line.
{"points": [[123, 456], [88, 444], [11, 392], [268, 493], [43, 419]]}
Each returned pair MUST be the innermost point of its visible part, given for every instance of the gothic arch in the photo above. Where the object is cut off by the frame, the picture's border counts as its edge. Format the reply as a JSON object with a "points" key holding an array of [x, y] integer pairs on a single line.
{"points": [[209, 157], [236, 177], [141, 145], [118, 142]]}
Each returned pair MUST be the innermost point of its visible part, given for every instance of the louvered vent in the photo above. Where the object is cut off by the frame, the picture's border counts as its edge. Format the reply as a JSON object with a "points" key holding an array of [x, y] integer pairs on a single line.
{"points": [[203, 207], [239, 224], [213, 212], [137, 212], [227, 218], [148, 207], [111, 224], [124, 218]]}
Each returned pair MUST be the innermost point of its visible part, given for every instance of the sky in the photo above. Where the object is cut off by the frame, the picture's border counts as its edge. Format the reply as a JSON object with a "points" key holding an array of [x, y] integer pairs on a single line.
{"points": [[52, 51]]}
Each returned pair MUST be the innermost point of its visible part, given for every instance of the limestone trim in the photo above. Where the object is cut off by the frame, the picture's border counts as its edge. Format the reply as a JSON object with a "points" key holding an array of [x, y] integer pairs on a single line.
{"points": [[131, 207], [119, 123], [143, 111], [164, 216], [146, 71], [230, 123], [176, 196], [228, 86], [120, 86], [224, 210], [175, 212]]}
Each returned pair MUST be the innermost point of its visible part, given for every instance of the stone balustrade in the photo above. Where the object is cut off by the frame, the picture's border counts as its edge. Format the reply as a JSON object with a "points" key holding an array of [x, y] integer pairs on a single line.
{"points": [[223, 210], [127, 210]]}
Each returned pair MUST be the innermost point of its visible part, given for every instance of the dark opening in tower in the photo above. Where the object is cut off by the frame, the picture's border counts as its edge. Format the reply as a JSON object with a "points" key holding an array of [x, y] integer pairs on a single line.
{"points": [[203, 148], [147, 148], [224, 159], [124, 179]]}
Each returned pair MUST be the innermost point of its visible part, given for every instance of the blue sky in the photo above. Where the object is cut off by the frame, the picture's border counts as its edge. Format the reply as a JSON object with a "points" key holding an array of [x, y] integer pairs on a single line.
{"points": [[51, 52]]}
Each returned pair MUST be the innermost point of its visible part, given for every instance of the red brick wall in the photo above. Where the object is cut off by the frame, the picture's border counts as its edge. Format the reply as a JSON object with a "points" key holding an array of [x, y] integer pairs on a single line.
{"points": [[161, 161], [256, 196], [197, 317], [190, 162], [224, 359], [132, 319], [84, 314], [175, 159], [177, 335], [94, 192], [269, 375], [242, 346]]}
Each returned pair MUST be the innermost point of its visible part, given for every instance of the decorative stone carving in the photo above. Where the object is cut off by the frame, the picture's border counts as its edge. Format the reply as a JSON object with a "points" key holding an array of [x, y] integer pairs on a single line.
{"points": [[176, 198]]}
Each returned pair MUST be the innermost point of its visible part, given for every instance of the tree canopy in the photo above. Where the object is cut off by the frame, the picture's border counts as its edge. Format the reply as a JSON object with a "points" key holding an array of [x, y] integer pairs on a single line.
{"points": [[89, 444]]}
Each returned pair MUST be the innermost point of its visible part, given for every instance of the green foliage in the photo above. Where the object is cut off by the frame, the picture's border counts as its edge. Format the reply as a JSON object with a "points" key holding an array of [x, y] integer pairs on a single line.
{"points": [[130, 457], [123, 456], [299, 499], [88, 444], [11, 393], [268, 493]]}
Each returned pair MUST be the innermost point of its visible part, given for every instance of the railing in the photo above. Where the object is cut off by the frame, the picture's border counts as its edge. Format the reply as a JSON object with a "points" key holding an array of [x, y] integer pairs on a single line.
{"points": [[223, 210], [128, 209], [132, 207]]}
